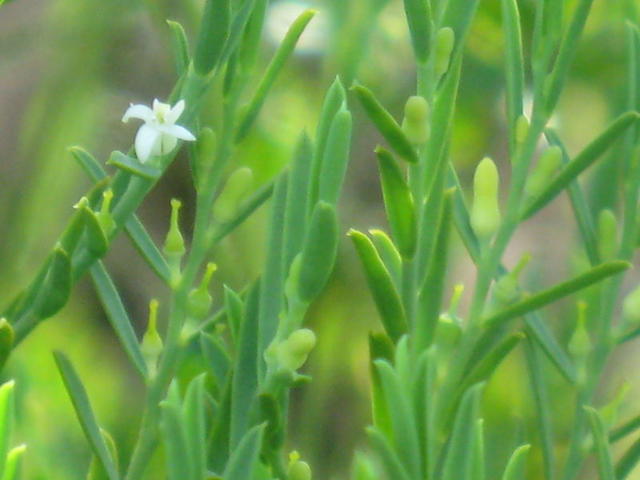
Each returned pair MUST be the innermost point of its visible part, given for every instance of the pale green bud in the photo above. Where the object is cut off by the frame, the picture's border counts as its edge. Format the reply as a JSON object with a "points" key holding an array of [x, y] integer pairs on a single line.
{"points": [[445, 41], [631, 307], [449, 328], [485, 212], [174, 247], [607, 235], [151, 345], [199, 299], [293, 352], [547, 166], [522, 128], [298, 470], [235, 190], [580, 342], [104, 216], [416, 120]]}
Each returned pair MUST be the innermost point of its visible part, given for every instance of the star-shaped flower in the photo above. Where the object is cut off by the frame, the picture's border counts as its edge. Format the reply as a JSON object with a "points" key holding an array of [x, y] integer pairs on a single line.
{"points": [[159, 134]]}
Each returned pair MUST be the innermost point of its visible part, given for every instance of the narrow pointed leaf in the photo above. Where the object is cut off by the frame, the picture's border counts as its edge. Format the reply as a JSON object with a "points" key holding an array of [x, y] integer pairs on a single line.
{"points": [[85, 414], [398, 203], [628, 461], [117, 315], [389, 254], [336, 158], [195, 425], [234, 308], [217, 358], [418, 13], [384, 293], [7, 410], [275, 67], [178, 458], [582, 161], [180, 46], [214, 30], [56, 287], [386, 124], [97, 242], [625, 429], [245, 455], [557, 292], [12, 465], [134, 166], [515, 469], [478, 469], [389, 458], [605, 464]]}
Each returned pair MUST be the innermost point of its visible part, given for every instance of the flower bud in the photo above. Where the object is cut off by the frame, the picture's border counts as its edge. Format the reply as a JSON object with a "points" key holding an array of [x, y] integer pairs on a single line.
{"points": [[238, 185], [607, 235], [545, 169], [631, 307], [174, 247], [449, 325], [199, 300], [580, 342], [298, 470], [104, 216], [416, 120], [445, 41], [293, 352], [151, 345], [485, 212], [507, 289]]}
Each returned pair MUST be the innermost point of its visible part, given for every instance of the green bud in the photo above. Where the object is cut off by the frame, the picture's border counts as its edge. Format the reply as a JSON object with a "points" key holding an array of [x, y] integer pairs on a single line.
{"points": [[580, 342], [449, 328], [416, 120], [522, 129], [445, 41], [631, 307], [485, 213], [235, 190], [199, 300], [293, 352], [174, 247], [205, 155], [151, 345], [298, 470], [547, 166], [607, 235], [104, 216], [6, 340], [507, 289]]}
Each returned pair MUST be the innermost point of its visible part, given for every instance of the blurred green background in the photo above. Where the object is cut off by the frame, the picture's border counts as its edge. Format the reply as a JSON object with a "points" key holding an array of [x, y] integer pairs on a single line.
{"points": [[69, 69]]}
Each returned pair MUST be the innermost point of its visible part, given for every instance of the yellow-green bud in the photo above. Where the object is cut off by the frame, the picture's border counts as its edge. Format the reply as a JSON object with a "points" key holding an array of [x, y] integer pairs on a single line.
{"points": [[293, 352], [298, 470], [485, 212], [522, 129], [205, 154], [104, 216], [507, 289], [416, 120], [580, 342], [199, 300], [607, 235], [631, 307], [151, 342], [547, 166], [238, 185], [449, 325], [174, 247], [445, 41]]}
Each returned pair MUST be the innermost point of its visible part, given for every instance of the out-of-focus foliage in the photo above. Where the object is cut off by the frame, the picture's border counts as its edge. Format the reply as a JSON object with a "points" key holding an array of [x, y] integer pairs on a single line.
{"points": [[68, 70]]}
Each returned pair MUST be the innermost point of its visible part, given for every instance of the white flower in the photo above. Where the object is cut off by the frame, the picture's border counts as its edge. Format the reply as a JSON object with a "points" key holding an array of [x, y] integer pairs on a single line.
{"points": [[159, 134]]}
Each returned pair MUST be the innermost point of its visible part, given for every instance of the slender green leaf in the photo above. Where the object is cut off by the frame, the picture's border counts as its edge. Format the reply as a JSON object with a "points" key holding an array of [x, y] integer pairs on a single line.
{"points": [[605, 464], [628, 461], [514, 66], [56, 287], [418, 13], [134, 166], [319, 252], [97, 242], [384, 293], [213, 35], [582, 161], [85, 415], [625, 429], [216, 356], [458, 462], [398, 203], [234, 308], [218, 439], [380, 347], [7, 410], [405, 434], [336, 158], [245, 456], [390, 461], [12, 465], [541, 334], [180, 46], [275, 67], [539, 300], [478, 468], [179, 461], [458, 15], [117, 315], [386, 124], [195, 426], [515, 469], [389, 255], [483, 368]]}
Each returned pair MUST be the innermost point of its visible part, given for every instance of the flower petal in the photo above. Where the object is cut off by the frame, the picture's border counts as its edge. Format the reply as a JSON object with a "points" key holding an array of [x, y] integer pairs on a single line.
{"points": [[177, 131], [175, 112], [138, 111], [147, 142], [167, 143]]}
